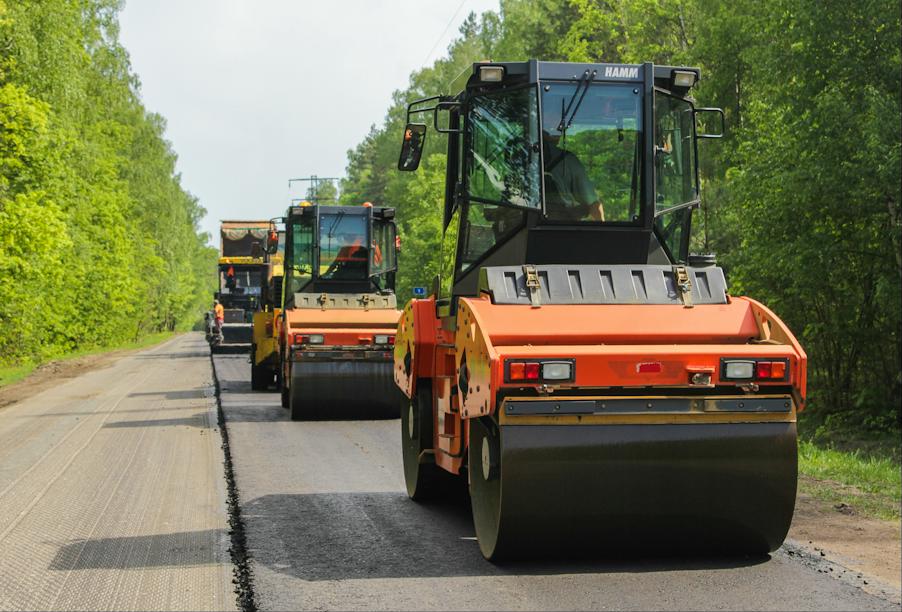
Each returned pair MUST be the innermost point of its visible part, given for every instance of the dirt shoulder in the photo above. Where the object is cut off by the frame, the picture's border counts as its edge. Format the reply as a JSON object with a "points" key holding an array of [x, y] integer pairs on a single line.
{"points": [[51, 373], [869, 549]]}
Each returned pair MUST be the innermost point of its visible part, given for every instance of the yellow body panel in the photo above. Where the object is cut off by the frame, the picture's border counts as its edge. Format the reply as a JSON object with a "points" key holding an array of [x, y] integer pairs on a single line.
{"points": [[266, 342]]}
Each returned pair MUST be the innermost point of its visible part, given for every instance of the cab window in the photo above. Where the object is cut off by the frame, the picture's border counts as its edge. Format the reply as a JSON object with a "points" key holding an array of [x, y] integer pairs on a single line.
{"points": [[676, 187], [503, 160]]}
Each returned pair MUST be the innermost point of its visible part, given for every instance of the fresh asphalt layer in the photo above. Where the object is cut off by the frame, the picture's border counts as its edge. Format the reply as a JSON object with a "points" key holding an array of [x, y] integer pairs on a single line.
{"points": [[329, 526], [112, 493]]}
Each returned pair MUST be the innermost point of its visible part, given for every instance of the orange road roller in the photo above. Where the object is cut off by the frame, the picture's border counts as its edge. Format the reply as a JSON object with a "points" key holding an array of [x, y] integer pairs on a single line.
{"points": [[339, 314], [595, 382]]}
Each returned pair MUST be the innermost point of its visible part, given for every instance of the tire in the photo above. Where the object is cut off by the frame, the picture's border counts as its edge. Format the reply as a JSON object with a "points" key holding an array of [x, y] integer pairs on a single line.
{"points": [[257, 383], [422, 477], [284, 390]]}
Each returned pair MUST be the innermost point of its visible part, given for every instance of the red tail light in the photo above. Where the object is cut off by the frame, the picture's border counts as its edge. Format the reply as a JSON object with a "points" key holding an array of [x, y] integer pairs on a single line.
{"points": [[524, 371], [763, 369], [653, 367]]}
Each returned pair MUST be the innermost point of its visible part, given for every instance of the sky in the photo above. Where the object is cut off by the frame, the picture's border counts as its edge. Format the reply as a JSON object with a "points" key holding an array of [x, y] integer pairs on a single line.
{"points": [[255, 92]]}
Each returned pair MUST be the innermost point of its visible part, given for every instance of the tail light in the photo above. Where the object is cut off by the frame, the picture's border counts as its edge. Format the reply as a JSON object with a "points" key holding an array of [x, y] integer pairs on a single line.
{"points": [[384, 339], [538, 371], [753, 369]]}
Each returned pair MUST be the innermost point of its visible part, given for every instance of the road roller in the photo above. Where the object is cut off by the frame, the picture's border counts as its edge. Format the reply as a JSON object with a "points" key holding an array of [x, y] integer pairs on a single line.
{"points": [[264, 353], [597, 385], [339, 313]]}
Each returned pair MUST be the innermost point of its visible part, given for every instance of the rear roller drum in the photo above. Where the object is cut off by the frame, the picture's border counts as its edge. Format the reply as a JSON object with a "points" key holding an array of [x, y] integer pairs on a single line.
{"points": [[593, 489], [420, 472], [484, 460], [301, 408]]}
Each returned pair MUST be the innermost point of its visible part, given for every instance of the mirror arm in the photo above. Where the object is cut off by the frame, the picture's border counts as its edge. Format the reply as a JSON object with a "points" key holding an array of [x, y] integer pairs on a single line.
{"points": [[446, 104], [712, 109]]}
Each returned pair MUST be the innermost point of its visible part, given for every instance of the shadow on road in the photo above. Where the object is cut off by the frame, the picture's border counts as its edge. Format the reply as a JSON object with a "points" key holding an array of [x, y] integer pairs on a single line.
{"points": [[197, 420], [193, 355], [337, 536], [174, 395], [182, 549]]}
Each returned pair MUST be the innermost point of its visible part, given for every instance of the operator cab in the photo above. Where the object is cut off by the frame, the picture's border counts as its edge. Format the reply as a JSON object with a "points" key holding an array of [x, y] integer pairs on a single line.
{"points": [[552, 163], [339, 249]]}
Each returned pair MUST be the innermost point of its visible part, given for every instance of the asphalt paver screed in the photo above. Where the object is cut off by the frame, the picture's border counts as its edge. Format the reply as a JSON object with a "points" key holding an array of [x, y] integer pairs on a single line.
{"points": [[112, 493]]}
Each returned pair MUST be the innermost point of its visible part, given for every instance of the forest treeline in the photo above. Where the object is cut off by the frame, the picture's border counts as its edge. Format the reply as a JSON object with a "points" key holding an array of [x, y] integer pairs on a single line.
{"points": [[99, 242], [801, 198]]}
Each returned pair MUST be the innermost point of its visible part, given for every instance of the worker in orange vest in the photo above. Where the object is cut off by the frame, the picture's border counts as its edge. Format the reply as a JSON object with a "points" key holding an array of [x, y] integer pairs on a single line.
{"points": [[218, 317]]}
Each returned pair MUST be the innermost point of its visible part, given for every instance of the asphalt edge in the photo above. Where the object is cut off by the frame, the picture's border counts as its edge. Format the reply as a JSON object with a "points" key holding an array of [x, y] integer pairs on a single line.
{"points": [[823, 562], [243, 575]]}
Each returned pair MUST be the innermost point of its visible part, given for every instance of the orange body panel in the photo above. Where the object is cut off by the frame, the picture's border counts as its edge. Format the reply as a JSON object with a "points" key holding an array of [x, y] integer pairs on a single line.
{"points": [[342, 327], [732, 323], [606, 342]]}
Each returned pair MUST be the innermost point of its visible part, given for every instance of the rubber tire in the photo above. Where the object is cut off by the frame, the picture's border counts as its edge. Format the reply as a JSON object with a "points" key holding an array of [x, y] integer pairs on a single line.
{"points": [[283, 389], [259, 373], [423, 480]]}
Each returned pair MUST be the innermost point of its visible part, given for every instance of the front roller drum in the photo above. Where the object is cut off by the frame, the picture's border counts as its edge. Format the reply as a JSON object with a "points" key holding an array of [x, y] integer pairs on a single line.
{"points": [[650, 489], [339, 390]]}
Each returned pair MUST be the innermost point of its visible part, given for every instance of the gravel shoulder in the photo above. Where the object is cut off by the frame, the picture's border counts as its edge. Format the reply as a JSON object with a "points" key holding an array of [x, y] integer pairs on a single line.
{"points": [[112, 493]]}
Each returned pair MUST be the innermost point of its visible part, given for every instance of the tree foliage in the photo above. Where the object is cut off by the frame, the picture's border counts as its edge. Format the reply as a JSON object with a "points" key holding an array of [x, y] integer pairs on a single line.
{"points": [[801, 198], [99, 242]]}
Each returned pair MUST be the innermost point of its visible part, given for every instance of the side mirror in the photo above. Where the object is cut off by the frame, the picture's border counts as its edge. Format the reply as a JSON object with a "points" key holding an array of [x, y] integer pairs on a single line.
{"points": [[712, 124], [412, 147]]}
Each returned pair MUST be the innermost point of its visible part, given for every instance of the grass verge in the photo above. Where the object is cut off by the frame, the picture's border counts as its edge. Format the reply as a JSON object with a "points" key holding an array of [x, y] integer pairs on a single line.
{"points": [[870, 485], [11, 374]]}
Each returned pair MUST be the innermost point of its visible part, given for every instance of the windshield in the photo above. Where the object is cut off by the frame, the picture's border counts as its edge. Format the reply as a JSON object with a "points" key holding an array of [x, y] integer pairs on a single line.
{"points": [[592, 151], [343, 246], [240, 280], [503, 160]]}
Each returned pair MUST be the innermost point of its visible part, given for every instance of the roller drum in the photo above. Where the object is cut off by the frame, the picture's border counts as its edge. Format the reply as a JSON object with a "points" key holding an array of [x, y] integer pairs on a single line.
{"points": [[338, 390], [646, 489]]}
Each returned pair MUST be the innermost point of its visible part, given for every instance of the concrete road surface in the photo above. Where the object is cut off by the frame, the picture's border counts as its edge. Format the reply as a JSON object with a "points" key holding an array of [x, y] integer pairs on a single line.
{"points": [[112, 493], [329, 526]]}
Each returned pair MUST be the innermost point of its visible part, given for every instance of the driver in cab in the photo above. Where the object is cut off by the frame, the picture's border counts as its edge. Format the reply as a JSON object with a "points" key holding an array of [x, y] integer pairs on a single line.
{"points": [[569, 193]]}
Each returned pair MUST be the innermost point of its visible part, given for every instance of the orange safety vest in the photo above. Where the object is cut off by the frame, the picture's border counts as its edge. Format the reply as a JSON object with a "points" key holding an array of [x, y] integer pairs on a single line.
{"points": [[220, 312]]}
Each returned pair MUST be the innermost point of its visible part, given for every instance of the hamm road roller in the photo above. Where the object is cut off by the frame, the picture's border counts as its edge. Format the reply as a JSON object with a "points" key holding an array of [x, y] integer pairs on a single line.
{"points": [[339, 312], [597, 384]]}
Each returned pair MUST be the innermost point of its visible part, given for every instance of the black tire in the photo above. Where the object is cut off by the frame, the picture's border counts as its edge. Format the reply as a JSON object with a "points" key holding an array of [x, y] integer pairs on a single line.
{"points": [[258, 373], [283, 389], [422, 477]]}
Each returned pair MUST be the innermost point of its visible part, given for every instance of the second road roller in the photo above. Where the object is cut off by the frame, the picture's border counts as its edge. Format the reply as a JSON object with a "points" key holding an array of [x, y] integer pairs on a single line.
{"points": [[338, 313], [595, 382]]}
